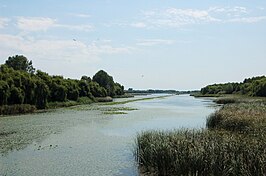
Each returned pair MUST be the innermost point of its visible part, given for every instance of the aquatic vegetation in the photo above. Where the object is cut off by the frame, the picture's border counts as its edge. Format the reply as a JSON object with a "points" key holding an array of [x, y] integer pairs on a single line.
{"points": [[188, 152], [233, 144], [241, 117], [140, 99], [116, 110]]}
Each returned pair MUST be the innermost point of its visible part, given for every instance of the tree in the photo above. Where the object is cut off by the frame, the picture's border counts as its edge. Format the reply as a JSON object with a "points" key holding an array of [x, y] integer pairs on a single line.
{"points": [[16, 96], [72, 90], [42, 93], [106, 81], [97, 90], [119, 89], [4, 92], [20, 62]]}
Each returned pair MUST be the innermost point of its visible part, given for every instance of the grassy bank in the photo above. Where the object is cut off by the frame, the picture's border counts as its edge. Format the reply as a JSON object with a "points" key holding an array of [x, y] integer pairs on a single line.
{"points": [[233, 144]]}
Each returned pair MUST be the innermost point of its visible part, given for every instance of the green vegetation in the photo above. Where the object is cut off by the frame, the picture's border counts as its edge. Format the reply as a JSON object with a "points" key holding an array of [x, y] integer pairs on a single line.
{"points": [[20, 84], [233, 144], [255, 86], [129, 101], [187, 152], [249, 117], [17, 109], [117, 110]]}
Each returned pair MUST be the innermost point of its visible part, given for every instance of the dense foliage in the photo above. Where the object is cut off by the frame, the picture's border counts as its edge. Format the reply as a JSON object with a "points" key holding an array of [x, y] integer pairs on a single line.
{"points": [[21, 84], [255, 86]]}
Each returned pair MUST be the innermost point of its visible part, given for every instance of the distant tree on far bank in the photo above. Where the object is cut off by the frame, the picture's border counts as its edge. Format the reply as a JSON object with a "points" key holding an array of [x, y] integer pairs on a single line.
{"points": [[255, 86], [20, 62]]}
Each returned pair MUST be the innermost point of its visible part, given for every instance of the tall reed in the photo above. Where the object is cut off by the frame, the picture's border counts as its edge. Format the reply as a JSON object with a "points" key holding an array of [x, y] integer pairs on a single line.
{"points": [[233, 144]]}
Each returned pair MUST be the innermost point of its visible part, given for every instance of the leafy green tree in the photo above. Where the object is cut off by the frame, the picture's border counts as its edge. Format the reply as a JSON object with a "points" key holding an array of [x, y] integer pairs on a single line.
{"points": [[97, 90], [86, 79], [106, 81], [16, 96], [42, 93], [259, 88], [20, 62], [4, 92], [119, 89], [72, 90], [84, 88]]}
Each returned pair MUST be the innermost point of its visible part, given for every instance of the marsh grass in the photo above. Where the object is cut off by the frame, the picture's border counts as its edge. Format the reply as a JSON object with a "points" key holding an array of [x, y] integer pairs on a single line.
{"points": [[225, 100], [241, 117], [233, 144], [187, 152]]}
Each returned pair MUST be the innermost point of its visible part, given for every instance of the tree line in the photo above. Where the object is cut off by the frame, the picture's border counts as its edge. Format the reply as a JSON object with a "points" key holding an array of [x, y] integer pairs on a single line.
{"points": [[20, 83], [255, 86]]}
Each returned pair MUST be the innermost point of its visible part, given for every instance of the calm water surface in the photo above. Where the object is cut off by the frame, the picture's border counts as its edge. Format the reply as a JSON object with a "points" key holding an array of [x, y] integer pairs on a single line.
{"points": [[85, 141]]}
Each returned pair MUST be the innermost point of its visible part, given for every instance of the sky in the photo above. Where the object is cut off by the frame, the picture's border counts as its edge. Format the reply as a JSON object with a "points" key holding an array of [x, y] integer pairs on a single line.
{"points": [[143, 44]]}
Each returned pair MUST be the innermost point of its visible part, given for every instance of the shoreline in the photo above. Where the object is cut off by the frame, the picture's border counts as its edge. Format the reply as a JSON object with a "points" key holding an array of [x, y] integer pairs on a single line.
{"points": [[68, 104]]}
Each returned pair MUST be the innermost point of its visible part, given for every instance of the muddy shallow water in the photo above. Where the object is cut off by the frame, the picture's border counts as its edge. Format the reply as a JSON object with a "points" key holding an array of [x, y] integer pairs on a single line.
{"points": [[84, 140]]}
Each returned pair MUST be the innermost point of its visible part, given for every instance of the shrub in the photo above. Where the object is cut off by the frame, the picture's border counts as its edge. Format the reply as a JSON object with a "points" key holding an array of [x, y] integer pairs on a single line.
{"points": [[16, 109]]}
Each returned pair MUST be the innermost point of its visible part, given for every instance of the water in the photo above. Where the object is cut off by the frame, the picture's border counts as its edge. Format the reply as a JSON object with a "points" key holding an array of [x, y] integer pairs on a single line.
{"points": [[85, 141]]}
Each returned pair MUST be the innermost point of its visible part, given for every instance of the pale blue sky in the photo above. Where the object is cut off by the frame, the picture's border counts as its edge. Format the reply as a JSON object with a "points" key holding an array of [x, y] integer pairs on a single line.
{"points": [[175, 44]]}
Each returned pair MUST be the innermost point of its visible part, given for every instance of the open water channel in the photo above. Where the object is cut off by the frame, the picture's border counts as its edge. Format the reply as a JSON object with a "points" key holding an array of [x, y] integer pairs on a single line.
{"points": [[91, 139]]}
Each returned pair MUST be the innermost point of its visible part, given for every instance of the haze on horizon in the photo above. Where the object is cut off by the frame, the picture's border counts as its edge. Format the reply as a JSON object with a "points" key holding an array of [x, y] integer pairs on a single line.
{"points": [[159, 44]]}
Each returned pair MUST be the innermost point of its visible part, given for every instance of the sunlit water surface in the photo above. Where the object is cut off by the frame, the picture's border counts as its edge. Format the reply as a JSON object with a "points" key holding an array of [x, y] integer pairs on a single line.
{"points": [[85, 141]]}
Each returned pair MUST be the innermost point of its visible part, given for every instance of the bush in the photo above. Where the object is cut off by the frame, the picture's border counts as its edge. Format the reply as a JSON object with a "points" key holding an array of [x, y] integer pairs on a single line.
{"points": [[225, 100], [16, 109]]}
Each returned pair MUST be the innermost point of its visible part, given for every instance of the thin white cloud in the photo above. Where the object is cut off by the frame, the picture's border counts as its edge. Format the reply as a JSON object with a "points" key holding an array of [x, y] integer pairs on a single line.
{"points": [[35, 23], [85, 28], [153, 42], [261, 8], [173, 17], [248, 19], [60, 50], [81, 15], [236, 11], [139, 25], [3, 22], [176, 18]]}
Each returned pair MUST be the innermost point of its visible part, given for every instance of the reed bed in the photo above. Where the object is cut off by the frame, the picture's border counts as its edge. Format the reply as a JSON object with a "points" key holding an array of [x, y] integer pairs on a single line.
{"points": [[200, 153], [241, 117], [233, 144]]}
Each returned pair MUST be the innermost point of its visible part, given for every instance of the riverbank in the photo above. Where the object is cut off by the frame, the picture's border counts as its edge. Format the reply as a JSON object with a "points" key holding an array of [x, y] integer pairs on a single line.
{"points": [[29, 109], [232, 144]]}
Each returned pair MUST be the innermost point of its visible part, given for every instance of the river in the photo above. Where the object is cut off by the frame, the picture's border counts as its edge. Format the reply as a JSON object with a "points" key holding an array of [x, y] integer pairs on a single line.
{"points": [[85, 140]]}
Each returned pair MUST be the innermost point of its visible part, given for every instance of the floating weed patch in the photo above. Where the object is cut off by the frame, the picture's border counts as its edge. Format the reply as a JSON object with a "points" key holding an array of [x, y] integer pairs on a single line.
{"points": [[117, 110], [129, 101], [114, 112]]}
